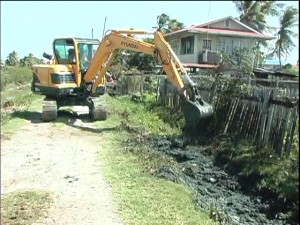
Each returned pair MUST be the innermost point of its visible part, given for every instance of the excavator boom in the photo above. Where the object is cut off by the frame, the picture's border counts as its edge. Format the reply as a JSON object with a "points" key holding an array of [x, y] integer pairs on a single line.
{"points": [[193, 107]]}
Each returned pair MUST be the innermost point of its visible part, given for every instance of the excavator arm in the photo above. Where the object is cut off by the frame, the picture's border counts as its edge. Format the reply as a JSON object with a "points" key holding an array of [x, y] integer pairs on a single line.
{"points": [[194, 108]]}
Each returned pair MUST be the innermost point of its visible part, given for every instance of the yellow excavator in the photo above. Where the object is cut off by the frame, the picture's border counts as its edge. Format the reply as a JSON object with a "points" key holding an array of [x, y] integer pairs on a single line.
{"points": [[76, 74]]}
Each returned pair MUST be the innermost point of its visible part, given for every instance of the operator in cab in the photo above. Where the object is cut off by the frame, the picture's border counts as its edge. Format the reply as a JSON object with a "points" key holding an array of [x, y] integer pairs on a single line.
{"points": [[71, 55], [84, 62]]}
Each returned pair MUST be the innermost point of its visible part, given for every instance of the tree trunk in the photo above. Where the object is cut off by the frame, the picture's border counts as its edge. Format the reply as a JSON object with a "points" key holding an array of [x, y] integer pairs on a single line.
{"points": [[279, 56]]}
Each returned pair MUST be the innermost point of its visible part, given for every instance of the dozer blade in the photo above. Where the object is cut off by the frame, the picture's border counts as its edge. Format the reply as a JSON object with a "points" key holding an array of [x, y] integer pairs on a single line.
{"points": [[196, 112]]}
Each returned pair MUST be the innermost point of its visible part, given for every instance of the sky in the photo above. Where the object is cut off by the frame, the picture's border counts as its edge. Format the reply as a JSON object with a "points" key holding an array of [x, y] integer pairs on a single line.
{"points": [[30, 27]]}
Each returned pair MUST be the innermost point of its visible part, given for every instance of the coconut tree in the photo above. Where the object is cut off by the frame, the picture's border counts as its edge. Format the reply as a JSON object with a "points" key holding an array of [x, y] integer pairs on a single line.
{"points": [[254, 13], [174, 25], [162, 22], [167, 25], [287, 21]]}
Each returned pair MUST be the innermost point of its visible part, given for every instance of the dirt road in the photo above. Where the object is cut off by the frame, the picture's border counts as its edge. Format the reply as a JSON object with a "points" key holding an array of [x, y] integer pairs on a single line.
{"points": [[62, 159]]}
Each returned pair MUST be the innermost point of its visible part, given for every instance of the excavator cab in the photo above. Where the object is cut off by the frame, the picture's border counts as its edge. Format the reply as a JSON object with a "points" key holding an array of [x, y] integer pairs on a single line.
{"points": [[75, 51], [61, 81]]}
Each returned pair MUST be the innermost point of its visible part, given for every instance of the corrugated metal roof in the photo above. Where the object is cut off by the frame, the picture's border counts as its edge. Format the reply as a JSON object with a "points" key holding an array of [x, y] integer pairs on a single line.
{"points": [[228, 32], [204, 28], [239, 33]]}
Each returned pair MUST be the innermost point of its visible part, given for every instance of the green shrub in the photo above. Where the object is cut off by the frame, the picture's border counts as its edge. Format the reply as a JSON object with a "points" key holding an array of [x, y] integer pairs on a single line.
{"points": [[15, 75]]}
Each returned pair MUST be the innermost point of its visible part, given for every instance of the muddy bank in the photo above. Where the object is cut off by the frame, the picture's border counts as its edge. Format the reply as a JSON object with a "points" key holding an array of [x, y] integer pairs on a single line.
{"points": [[228, 197]]}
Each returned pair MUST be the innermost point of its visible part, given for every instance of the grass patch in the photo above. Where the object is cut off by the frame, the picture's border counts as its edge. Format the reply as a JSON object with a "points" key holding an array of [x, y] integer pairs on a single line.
{"points": [[24, 207], [140, 115], [142, 198], [16, 98], [18, 109]]}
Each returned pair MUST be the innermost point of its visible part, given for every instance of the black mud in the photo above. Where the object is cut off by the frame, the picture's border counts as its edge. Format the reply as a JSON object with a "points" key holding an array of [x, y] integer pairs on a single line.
{"points": [[229, 198]]}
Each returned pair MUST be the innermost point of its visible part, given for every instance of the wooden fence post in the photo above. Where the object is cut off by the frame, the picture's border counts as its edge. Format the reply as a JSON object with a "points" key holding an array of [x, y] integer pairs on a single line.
{"points": [[263, 118]]}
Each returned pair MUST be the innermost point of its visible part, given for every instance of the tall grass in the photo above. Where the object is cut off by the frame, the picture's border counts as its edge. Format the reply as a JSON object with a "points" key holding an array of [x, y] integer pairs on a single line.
{"points": [[15, 93], [15, 75]]}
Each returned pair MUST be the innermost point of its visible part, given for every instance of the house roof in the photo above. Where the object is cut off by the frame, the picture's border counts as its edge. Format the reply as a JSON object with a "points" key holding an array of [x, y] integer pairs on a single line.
{"points": [[204, 28], [274, 62]]}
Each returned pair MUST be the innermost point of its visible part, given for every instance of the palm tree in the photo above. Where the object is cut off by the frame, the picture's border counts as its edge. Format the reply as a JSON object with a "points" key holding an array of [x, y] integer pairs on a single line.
{"points": [[284, 43], [174, 25], [167, 25], [254, 13], [162, 22]]}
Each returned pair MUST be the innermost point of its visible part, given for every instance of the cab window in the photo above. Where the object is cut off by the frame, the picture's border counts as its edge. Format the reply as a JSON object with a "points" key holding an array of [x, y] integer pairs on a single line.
{"points": [[86, 53], [64, 51]]}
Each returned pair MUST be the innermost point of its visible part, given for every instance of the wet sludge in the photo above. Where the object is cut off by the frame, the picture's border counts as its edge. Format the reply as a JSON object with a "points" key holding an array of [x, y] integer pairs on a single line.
{"points": [[228, 200]]}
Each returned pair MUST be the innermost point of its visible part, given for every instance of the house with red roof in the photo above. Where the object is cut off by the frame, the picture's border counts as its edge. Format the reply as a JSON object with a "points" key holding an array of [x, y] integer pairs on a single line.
{"points": [[199, 45]]}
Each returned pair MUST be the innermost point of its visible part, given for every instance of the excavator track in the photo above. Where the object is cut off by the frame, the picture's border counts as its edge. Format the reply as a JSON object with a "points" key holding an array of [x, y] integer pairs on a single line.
{"points": [[98, 110], [49, 110]]}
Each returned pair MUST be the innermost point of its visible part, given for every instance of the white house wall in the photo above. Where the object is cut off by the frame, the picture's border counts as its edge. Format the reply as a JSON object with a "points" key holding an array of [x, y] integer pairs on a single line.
{"points": [[175, 43]]}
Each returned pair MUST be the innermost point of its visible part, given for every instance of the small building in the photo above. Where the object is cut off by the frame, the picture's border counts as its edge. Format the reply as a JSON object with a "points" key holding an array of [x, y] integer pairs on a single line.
{"points": [[199, 45], [273, 64]]}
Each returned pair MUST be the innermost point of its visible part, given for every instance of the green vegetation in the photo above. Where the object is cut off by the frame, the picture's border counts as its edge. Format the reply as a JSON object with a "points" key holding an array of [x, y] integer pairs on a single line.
{"points": [[129, 166], [254, 14], [280, 175], [16, 98], [13, 76], [14, 60], [287, 21], [24, 207], [142, 197], [291, 70], [167, 25]]}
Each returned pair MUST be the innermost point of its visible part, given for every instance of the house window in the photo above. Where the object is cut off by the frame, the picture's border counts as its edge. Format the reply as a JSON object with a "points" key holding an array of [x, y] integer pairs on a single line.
{"points": [[187, 45], [236, 44], [245, 45], [206, 44], [225, 45], [226, 24]]}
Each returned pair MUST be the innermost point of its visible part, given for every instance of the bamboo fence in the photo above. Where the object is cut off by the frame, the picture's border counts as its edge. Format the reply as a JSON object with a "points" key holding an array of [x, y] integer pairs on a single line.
{"points": [[267, 115]]}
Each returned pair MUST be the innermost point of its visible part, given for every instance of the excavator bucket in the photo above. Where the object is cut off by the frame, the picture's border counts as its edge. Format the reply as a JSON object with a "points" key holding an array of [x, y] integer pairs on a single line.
{"points": [[196, 112]]}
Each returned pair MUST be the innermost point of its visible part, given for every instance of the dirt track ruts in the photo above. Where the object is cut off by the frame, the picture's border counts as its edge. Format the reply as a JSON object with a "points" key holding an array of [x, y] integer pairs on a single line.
{"points": [[63, 160]]}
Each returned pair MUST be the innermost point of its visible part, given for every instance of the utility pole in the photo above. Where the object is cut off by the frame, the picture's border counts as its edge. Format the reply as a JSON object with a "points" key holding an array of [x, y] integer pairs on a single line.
{"points": [[104, 26], [92, 33]]}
